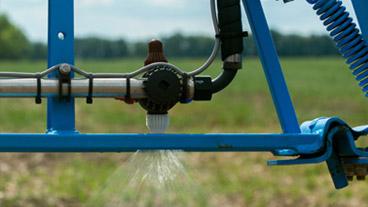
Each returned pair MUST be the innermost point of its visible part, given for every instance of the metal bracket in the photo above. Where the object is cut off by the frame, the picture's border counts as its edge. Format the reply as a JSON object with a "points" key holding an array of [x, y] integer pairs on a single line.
{"points": [[338, 151]]}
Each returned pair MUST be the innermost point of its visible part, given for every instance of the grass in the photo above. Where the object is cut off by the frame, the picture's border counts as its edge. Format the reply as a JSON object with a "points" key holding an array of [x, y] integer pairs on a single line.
{"points": [[318, 86]]}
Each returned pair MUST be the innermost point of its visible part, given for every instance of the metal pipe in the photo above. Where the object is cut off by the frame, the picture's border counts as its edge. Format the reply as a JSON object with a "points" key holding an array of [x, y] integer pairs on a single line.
{"points": [[102, 88], [111, 87]]}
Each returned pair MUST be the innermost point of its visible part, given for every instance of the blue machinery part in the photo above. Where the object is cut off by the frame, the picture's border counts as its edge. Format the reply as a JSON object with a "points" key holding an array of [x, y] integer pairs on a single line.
{"points": [[327, 140], [347, 36]]}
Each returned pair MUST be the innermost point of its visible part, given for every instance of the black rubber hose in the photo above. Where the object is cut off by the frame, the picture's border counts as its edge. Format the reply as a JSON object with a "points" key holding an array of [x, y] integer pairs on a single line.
{"points": [[231, 36], [223, 80], [230, 25]]}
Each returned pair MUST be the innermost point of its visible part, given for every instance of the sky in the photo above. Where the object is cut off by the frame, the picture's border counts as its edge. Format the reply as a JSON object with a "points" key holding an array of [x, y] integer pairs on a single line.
{"points": [[146, 19]]}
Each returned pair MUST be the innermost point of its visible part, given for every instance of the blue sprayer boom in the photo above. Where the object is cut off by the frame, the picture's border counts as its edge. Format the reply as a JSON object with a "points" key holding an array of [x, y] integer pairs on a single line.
{"points": [[159, 86]]}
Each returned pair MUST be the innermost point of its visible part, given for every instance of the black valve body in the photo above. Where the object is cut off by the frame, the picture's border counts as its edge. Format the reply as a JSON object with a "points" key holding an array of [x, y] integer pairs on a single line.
{"points": [[163, 87]]}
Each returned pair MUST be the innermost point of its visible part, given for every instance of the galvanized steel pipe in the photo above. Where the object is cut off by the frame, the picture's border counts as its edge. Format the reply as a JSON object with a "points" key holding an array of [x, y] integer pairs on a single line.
{"points": [[109, 87], [102, 88]]}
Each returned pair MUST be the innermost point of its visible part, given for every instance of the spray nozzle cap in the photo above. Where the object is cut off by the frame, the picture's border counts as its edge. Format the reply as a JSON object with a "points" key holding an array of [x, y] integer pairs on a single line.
{"points": [[157, 123]]}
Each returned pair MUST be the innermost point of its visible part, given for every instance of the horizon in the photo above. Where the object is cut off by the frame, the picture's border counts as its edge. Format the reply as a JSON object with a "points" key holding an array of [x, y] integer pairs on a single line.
{"points": [[149, 22]]}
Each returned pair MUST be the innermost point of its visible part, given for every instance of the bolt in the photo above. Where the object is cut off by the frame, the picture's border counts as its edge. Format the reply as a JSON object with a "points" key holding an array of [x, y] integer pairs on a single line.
{"points": [[61, 36], [65, 69], [350, 178], [349, 170], [361, 177], [361, 172]]}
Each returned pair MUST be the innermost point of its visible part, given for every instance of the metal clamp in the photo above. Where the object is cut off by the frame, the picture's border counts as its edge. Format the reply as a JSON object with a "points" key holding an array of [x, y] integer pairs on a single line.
{"points": [[64, 78], [38, 98], [128, 95], [89, 99]]}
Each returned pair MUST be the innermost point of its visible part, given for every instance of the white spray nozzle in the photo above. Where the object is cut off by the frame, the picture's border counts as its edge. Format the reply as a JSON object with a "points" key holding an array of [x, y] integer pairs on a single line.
{"points": [[157, 123]]}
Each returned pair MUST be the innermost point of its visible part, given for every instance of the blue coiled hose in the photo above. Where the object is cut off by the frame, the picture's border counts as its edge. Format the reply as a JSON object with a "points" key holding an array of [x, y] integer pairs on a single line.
{"points": [[347, 36]]}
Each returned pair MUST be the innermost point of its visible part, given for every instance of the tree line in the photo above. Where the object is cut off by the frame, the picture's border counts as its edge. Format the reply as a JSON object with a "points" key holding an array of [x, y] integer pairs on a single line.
{"points": [[15, 45]]}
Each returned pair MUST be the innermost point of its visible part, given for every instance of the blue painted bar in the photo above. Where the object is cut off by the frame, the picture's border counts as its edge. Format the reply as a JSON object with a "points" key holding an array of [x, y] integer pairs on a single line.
{"points": [[60, 114], [271, 66], [302, 144], [361, 10]]}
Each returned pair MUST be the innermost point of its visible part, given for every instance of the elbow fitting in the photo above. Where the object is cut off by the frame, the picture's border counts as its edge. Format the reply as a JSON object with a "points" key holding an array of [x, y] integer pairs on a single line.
{"points": [[204, 86], [223, 80], [231, 65]]}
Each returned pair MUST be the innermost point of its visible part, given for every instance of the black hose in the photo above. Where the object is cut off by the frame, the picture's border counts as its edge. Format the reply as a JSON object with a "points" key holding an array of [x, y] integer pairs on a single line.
{"points": [[223, 80], [231, 30], [231, 36]]}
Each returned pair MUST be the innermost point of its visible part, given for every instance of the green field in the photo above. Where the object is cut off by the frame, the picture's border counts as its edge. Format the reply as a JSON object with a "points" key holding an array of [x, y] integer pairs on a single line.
{"points": [[319, 87]]}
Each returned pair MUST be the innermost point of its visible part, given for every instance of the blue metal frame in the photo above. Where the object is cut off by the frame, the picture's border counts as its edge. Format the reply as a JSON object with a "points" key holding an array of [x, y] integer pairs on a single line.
{"points": [[60, 113], [303, 144], [360, 7], [324, 139], [271, 66]]}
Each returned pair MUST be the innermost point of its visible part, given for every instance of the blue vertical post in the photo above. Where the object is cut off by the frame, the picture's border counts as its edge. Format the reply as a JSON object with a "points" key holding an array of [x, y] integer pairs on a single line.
{"points": [[271, 66], [60, 113], [361, 10]]}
